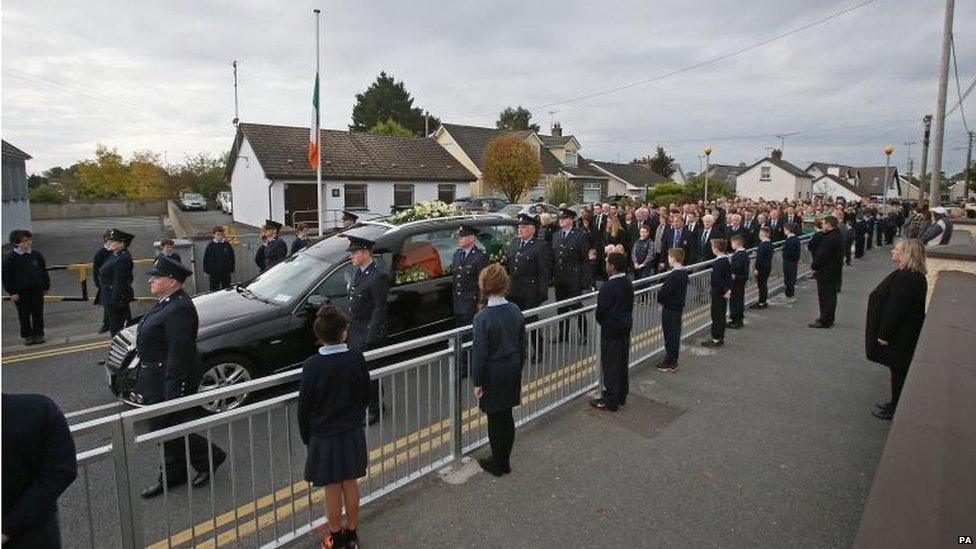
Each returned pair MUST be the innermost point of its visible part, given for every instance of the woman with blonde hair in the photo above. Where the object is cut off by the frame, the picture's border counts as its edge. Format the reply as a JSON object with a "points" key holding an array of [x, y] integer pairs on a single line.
{"points": [[896, 311], [498, 351], [616, 234]]}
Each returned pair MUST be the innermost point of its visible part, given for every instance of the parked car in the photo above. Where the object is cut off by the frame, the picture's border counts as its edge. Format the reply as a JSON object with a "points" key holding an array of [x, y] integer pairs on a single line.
{"points": [[513, 210], [264, 326], [224, 202], [476, 203], [192, 201]]}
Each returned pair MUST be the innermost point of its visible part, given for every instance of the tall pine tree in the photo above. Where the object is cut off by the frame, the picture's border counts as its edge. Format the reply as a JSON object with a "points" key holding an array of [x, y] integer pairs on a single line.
{"points": [[385, 100]]}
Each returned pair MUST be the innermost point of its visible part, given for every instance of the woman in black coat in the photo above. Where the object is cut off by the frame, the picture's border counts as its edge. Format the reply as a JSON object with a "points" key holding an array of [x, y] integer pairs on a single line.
{"points": [[896, 311], [497, 354]]}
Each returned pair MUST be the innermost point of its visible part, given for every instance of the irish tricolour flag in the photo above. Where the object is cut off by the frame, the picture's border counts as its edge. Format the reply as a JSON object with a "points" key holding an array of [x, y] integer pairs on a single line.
{"points": [[314, 134]]}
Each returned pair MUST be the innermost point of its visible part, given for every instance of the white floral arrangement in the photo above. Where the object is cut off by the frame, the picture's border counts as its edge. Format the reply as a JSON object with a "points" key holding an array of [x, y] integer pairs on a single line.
{"points": [[411, 274], [425, 210]]}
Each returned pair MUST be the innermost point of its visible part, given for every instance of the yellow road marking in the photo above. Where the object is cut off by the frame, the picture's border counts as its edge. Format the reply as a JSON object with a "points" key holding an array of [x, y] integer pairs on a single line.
{"points": [[56, 352]]}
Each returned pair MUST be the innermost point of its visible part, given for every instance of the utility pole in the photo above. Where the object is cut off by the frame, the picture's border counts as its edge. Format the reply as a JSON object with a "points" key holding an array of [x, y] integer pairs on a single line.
{"points": [[969, 164], [236, 113], [927, 120], [426, 124], [935, 192]]}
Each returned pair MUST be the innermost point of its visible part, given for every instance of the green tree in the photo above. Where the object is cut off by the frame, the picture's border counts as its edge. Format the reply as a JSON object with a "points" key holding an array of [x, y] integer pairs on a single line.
{"points": [[661, 163], [390, 127], [201, 173], [560, 190], [518, 118], [36, 180], [695, 188], [145, 177], [103, 177], [666, 193], [47, 193], [387, 99], [511, 167]]}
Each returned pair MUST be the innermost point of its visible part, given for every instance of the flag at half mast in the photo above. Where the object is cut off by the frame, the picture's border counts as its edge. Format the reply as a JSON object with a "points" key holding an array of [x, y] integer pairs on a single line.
{"points": [[314, 134]]}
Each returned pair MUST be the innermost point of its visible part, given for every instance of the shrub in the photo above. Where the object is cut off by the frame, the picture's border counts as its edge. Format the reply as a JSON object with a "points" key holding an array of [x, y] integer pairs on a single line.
{"points": [[47, 194]]}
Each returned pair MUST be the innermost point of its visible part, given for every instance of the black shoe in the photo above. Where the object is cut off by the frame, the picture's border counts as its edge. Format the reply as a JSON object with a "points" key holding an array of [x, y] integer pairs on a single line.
{"points": [[29, 340], [734, 326], [157, 489], [883, 405], [203, 477], [601, 404], [712, 343], [883, 414], [665, 367], [490, 466], [38, 339], [818, 324]]}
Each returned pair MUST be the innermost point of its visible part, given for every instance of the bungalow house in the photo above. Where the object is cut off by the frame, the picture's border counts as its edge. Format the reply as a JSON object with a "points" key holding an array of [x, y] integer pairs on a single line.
{"points": [[725, 173], [16, 197], [773, 178], [627, 179], [270, 177], [558, 154], [866, 181], [832, 186], [909, 187]]}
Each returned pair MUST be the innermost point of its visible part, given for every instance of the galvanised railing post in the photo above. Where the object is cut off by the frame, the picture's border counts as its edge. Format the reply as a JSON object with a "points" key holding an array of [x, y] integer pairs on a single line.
{"points": [[454, 394], [127, 489], [123, 482]]}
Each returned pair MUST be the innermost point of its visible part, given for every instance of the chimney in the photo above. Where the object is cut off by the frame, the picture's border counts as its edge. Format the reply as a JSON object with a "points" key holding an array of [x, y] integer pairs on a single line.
{"points": [[557, 130], [777, 154]]}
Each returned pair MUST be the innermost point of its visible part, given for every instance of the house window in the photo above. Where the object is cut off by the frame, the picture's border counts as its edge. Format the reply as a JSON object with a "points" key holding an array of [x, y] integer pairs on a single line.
{"points": [[402, 195], [570, 158], [591, 192], [764, 173], [355, 196], [445, 193]]}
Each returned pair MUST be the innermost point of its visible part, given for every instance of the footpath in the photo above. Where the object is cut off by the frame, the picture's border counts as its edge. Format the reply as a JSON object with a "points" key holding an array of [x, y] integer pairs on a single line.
{"points": [[768, 442]]}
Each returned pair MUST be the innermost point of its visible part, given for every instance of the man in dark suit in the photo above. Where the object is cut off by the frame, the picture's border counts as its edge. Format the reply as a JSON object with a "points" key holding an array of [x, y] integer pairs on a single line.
{"points": [[675, 236], [709, 231], [775, 225], [791, 217], [218, 260], [570, 254], [528, 264], [828, 261], [734, 228], [38, 466], [614, 313], [275, 249], [671, 297], [751, 226], [368, 296], [694, 228], [740, 276], [720, 292], [26, 280]]}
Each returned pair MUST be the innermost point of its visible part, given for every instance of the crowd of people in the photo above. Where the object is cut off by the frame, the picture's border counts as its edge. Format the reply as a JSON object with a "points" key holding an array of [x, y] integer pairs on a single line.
{"points": [[607, 247]]}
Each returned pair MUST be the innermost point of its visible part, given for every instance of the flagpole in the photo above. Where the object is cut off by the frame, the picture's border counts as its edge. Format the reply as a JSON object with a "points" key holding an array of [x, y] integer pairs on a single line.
{"points": [[318, 138]]}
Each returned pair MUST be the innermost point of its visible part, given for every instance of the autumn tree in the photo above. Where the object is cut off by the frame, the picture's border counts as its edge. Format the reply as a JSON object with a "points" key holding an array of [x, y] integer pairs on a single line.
{"points": [[201, 173], [518, 118], [103, 177], [511, 167]]}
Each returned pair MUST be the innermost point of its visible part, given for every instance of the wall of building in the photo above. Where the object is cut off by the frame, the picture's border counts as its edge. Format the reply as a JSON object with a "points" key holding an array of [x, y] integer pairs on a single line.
{"points": [[379, 194], [781, 184], [829, 188], [16, 215], [249, 189]]}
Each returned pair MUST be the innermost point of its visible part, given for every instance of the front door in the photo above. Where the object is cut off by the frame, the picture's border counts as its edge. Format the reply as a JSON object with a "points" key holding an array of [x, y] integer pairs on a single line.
{"points": [[301, 198]]}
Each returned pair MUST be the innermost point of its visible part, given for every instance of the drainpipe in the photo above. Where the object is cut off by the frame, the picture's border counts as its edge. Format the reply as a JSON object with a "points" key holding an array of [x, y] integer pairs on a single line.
{"points": [[269, 199]]}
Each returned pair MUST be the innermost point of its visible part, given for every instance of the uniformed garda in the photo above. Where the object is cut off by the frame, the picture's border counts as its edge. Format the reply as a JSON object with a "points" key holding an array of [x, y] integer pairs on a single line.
{"points": [[466, 267], [367, 301], [528, 267], [570, 253], [167, 346]]}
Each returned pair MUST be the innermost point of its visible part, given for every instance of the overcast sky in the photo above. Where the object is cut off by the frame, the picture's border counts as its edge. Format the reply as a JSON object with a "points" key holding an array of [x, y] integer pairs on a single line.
{"points": [[157, 75]]}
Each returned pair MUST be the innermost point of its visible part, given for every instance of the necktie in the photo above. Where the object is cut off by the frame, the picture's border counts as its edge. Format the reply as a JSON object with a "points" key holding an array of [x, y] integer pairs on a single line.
{"points": [[522, 245], [705, 236], [677, 237], [359, 276]]}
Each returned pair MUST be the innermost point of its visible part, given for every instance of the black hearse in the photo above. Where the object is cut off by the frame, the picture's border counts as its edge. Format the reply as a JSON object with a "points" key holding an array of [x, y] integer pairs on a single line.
{"points": [[263, 326]]}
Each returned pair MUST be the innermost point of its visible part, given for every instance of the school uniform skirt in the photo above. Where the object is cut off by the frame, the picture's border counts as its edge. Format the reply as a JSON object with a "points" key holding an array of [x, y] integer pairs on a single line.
{"points": [[336, 458]]}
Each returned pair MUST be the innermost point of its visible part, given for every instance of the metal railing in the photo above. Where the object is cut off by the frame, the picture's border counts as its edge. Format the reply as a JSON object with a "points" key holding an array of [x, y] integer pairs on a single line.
{"points": [[429, 418]]}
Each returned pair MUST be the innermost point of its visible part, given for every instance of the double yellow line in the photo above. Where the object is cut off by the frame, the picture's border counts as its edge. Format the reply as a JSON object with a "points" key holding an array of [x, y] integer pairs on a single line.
{"points": [[48, 353]]}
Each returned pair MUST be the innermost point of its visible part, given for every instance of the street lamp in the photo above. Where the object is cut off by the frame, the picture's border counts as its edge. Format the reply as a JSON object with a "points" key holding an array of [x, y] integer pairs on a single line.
{"points": [[887, 150], [708, 153]]}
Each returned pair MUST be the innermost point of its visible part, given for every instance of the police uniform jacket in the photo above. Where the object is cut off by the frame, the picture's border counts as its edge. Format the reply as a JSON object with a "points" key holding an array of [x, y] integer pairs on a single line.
{"points": [[465, 270], [570, 253], [367, 306], [275, 251], [38, 465], [528, 267], [116, 279], [25, 272], [169, 364], [101, 256], [218, 258], [261, 258]]}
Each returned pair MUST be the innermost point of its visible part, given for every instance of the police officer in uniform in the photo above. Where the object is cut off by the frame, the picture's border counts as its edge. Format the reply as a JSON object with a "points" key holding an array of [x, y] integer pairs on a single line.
{"points": [[169, 367], [348, 219], [468, 262], [367, 307], [275, 249], [527, 261], [101, 256], [115, 277], [570, 251]]}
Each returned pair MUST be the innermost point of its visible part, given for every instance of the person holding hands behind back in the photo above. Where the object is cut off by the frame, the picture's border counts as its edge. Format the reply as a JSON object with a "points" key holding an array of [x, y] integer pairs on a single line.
{"points": [[332, 403], [498, 352]]}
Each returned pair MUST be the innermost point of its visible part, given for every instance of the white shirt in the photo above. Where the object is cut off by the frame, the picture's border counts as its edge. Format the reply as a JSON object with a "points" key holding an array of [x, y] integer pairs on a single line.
{"points": [[495, 301], [333, 349]]}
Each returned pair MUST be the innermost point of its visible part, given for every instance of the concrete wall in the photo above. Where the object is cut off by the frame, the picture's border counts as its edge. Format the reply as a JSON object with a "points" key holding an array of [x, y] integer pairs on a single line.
{"points": [[249, 189], [97, 208], [16, 215]]}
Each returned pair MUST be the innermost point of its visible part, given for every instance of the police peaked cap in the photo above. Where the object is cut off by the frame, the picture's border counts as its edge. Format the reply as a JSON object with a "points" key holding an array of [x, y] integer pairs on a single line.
{"points": [[566, 212], [121, 236], [468, 230], [527, 219], [171, 268], [357, 243]]}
